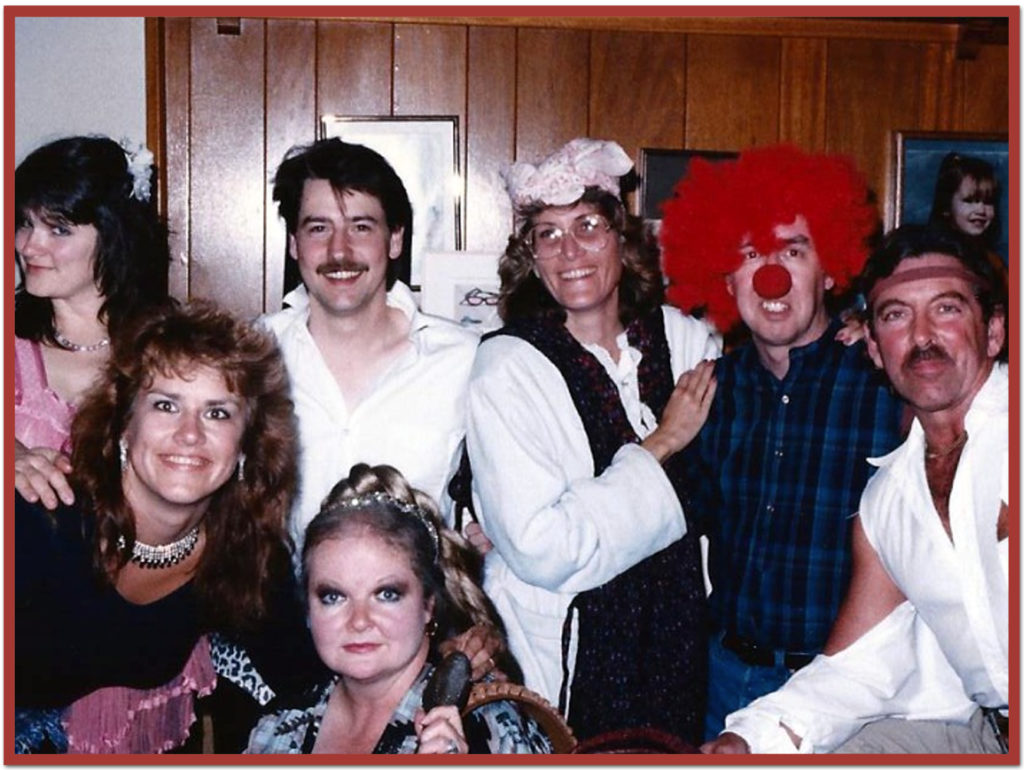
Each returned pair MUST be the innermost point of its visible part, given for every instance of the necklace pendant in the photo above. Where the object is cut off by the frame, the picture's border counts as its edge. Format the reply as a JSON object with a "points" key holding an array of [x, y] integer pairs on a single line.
{"points": [[930, 454]]}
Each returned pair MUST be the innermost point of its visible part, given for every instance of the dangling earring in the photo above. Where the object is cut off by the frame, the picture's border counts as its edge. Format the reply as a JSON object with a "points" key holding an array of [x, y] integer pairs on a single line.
{"points": [[432, 627], [241, 467], [122, 454]]}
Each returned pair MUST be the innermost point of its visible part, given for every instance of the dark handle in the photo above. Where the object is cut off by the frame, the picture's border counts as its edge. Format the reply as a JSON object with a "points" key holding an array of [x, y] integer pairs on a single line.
{"points": [[449, 684]]}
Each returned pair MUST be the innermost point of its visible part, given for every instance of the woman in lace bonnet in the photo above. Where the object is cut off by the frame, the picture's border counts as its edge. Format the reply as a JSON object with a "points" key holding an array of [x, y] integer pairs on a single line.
{"points": [[578, 409]]}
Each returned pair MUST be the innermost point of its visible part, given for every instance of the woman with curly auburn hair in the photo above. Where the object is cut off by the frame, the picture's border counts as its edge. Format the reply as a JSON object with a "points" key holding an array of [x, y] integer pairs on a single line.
{"points": [[183, 467], [578, 409], [249, 507]]}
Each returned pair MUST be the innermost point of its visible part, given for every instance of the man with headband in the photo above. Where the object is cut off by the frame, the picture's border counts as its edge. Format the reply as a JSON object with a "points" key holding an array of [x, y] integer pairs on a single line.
{"points": [[918, 658], [778, 468]]}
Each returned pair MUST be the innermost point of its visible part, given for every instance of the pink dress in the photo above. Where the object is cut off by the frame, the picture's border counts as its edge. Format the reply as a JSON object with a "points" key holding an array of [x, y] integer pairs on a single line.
{"points": [[41, 417], [119, 720]]}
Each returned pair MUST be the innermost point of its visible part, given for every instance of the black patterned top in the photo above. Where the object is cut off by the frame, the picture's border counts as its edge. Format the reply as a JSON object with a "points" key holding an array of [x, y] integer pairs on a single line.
{"points": [[494, 728]]}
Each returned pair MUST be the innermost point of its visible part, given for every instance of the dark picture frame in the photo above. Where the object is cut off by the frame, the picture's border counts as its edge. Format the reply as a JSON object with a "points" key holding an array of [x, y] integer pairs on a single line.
{"points": [[424, 151], [916, 157], [661, 170]]}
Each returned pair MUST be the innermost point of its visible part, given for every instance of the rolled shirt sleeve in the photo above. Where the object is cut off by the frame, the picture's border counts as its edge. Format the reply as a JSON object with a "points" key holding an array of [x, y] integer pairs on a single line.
{"points": [[895, 670]]}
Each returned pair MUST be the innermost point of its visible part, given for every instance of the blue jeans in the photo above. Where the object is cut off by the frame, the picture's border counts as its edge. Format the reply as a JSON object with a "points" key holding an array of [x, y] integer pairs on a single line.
{"points": [[732, 684]]}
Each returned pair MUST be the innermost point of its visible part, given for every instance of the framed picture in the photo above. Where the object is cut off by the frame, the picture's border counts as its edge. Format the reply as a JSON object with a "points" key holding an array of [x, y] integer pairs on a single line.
{"points": [[424, 152], [917, 156], [462, 286], [660, 172]]}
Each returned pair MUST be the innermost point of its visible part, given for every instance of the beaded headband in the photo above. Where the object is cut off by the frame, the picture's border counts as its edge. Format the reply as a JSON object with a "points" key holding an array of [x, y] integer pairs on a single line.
{"points": [[383, 498]]}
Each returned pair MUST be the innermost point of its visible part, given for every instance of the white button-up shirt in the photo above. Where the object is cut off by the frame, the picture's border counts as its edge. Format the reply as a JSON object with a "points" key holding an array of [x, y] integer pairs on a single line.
{"points": [[413, 417], [945, 651]]}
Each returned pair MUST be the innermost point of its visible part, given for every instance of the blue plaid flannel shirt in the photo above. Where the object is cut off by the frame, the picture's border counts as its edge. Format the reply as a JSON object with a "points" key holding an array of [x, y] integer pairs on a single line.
{"points": [[778, 473]]}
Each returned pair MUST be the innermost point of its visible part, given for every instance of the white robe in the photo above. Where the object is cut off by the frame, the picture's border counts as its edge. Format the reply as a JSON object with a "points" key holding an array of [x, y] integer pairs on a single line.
{"points": [[557, 529]]}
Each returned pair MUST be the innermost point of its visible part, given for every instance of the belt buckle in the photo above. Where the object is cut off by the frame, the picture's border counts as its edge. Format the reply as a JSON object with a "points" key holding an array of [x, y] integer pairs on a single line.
{"points": [[754, 654], [744, 649]]}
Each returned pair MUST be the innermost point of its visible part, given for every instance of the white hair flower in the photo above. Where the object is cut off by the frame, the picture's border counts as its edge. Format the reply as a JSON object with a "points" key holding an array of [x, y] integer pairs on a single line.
{"points": [[140, 166]]}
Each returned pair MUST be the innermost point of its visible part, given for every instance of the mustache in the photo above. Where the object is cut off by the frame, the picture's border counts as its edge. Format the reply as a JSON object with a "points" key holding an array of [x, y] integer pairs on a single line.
{"points": [[930, 353], [335, 266]]}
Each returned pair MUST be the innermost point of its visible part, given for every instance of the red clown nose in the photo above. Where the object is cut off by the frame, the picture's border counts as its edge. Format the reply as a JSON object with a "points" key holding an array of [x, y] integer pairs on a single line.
{"points": [[772, 281]]}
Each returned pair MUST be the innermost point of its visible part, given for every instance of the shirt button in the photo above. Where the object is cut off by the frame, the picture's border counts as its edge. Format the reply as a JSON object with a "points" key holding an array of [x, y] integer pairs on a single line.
{"points": [[785, 399], [778, 453], [769, 507]]}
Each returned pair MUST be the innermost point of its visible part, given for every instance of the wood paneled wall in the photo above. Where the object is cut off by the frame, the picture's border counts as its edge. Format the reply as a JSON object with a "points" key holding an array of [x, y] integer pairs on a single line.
{"points": [[232, 104]]}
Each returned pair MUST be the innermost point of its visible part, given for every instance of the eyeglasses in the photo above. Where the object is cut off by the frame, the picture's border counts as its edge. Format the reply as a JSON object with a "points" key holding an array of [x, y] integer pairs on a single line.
{"points": [[590, 231], [476, 297]]}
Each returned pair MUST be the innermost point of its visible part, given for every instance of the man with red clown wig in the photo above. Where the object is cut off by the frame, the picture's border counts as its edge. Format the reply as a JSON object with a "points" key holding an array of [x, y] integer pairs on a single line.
{"points": [[779, 466]]}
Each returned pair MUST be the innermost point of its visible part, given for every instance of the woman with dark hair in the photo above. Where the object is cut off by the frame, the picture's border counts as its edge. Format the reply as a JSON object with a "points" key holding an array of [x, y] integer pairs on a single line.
{"points": [[386, 583], [183, 466], [93, 254], [578, 408]]}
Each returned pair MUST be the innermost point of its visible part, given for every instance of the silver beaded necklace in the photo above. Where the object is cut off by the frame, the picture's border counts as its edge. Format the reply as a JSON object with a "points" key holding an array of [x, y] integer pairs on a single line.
{"points": [[74, 347], [160, 556]]}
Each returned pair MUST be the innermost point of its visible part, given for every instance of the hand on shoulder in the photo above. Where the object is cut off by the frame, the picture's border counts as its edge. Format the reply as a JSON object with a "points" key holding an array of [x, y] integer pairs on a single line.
{"points": [[685, 413], [40, 475]]}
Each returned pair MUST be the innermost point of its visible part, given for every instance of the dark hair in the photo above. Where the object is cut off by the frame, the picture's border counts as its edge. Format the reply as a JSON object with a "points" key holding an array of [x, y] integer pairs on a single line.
{"points": [[451, 578], [247, 549], [952, 172], [84, 180], [910, 241], [347, 167], [641, 289]]}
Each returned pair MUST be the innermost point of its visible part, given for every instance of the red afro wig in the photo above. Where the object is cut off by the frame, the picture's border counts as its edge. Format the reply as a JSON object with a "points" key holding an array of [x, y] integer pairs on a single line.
{"points": [[719, 206]]}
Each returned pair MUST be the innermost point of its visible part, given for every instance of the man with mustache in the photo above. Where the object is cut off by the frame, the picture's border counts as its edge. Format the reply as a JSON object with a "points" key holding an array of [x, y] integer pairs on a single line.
{"points": [[918, 660], [779, 465], [373, 379]]}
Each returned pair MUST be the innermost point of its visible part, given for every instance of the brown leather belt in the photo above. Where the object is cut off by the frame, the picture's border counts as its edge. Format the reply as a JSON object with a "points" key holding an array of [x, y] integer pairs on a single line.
{"points": [[759, 655]]}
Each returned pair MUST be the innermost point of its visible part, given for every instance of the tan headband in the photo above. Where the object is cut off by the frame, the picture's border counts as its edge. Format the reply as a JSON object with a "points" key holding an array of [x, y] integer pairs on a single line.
{"points": [[923, 274]]}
